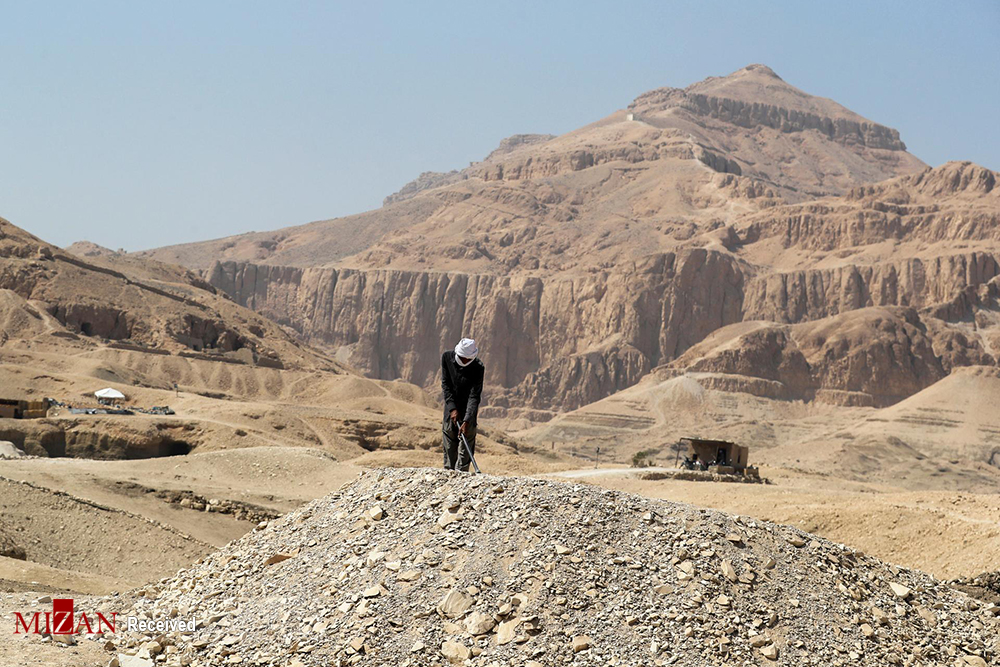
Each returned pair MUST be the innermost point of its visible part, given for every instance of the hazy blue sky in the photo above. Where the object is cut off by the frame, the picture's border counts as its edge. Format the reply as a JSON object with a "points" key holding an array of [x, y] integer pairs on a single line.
{"points": [[139, 124]]}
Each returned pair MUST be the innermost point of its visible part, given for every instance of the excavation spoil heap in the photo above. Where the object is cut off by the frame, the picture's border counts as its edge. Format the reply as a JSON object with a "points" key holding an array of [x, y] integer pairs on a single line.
{"points": [[419, 567]]}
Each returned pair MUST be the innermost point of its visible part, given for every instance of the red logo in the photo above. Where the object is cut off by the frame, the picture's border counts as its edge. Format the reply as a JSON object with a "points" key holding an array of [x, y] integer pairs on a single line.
{"points": [[63, 621]]}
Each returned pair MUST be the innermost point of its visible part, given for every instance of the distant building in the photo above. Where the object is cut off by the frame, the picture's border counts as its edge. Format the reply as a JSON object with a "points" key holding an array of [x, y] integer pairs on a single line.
{"points": [[719, 456], [11, 408], [630, 116]]}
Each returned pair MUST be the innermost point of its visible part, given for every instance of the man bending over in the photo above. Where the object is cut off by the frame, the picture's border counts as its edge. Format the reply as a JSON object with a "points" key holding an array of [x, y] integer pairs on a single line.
{"points": [[462, 386]]}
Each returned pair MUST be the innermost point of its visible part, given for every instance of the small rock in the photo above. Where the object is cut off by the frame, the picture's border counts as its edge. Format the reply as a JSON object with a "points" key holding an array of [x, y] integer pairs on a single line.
{"points": [[455, 604], [67, 640], [900, 591], [582, 643], [506, 630], [448, 517], [928, 616], [278, 558], [478, 623], [154, 648], [770, 652], [455, 652]]}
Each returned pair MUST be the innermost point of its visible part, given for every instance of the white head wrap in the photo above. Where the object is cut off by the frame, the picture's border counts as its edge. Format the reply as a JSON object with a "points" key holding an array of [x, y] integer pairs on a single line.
{"points": [[466, 348]]}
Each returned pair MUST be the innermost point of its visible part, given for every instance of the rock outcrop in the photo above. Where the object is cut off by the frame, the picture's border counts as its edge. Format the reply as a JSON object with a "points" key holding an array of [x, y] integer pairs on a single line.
{"points": [[425, 181], [809, 294], [753, 115], [89, 249], [872, 356], [159, 308], [623, 323]]}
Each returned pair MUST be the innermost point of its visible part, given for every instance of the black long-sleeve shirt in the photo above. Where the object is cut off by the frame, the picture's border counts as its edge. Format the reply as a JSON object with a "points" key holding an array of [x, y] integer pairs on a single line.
{"points": [[462, 387]]}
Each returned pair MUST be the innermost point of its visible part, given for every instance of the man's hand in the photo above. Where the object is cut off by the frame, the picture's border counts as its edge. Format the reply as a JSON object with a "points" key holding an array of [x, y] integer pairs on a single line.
{"points": [[463, 427], [454, 415]]}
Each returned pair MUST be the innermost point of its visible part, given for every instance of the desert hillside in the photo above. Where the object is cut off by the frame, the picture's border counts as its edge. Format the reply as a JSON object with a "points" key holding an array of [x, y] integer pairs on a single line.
{"points": [[584, 261], [227, 420], [163, 337]]}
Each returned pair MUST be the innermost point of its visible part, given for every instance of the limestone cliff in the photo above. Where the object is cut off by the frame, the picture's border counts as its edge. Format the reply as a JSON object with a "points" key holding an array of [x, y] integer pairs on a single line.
{"points": [[559, 343], [552, 343]]}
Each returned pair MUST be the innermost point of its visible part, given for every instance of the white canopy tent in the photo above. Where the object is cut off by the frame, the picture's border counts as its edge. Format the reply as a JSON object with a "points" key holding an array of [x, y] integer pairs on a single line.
{"points": [[109, 394]]}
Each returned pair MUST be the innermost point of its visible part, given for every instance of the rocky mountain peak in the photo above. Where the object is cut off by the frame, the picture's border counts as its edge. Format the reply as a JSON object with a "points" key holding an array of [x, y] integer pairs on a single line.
{"points": [[756, 98], [757, 68]]}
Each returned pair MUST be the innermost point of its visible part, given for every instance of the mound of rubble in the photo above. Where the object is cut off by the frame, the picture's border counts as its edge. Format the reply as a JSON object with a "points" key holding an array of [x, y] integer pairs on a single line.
{"points": [[426, 567]]}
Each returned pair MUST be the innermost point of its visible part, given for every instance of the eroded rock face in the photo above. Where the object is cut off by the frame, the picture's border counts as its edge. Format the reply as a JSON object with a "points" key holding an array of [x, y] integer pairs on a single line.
{"points": [[425, 181], [153, 307], [557, 344], [796, 296], [550, 344], [659, 146], [761, 114], [886, 354], [94, 320]]}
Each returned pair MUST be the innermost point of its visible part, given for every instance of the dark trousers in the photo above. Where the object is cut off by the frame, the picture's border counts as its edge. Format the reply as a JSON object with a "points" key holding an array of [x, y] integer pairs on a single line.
{"points": [[455, 456]]}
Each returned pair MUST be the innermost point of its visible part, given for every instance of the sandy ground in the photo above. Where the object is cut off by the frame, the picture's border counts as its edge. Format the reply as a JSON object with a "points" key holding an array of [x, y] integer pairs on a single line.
{"points": [[948, 534], [943, 533]]}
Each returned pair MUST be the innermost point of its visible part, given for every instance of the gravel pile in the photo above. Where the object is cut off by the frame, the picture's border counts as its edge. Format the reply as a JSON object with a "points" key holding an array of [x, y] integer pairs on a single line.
{"points": [[424, 567]]}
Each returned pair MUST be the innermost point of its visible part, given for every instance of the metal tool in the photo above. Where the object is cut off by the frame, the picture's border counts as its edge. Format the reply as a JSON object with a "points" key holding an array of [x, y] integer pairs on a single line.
{"points": [[461, 436]]}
